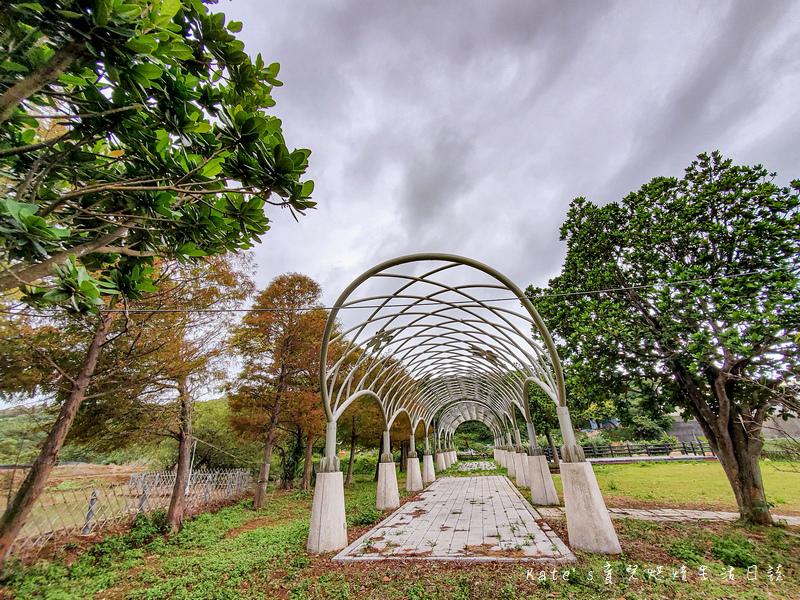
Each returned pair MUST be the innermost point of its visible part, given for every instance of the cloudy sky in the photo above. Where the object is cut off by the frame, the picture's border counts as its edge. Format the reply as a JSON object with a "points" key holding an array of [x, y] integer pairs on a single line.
{"points": [[467, 127]]}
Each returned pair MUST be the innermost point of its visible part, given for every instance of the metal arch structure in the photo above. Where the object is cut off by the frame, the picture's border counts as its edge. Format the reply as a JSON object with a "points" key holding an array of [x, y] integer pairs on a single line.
{"points": [[430, 346], [427, 339], [467, 410]]}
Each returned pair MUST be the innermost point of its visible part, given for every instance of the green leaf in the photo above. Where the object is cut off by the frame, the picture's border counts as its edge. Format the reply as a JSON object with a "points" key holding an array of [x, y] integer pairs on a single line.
{"points": [[169, 8], [72, 79], [10, 65], [235, 26], [148, 70], [101, 12], [143, 44], [28, 135]]}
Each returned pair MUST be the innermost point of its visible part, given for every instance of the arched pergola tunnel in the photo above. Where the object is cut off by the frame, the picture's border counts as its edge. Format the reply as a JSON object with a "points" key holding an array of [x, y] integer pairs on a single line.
{"points": [[444, 339]]}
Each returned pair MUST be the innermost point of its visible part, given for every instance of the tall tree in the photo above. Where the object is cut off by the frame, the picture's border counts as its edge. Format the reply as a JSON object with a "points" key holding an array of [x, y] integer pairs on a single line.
{"points": [[279, 342], [175, 349], [166, 146], [166, 149], [694, 284]]}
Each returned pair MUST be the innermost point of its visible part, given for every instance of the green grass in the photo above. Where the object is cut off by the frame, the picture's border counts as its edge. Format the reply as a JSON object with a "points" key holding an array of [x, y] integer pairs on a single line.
{"points": [[694, 482], [242, 553]]}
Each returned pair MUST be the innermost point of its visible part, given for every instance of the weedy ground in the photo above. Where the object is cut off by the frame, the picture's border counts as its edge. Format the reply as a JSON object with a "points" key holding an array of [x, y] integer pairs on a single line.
{"points": [[238, 552]]}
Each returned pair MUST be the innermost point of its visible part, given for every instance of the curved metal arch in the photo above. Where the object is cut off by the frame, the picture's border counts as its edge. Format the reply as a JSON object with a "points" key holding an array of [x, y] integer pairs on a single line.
{"points": [[427, 342]]}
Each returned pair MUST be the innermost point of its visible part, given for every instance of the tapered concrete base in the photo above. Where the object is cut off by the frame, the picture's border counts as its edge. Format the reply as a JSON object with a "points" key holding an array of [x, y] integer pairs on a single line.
{"points": [[588, 522], [521, 469], [512, 468], [428, 472], [328, 528], [543, 490], [440, 462], [495, 455], [534, 476], [414, 475], [501, 458], [388, 494]]}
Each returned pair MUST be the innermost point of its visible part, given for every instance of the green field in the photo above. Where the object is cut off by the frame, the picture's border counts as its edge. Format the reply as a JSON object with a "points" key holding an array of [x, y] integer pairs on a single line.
{"points": [[693, 482]]}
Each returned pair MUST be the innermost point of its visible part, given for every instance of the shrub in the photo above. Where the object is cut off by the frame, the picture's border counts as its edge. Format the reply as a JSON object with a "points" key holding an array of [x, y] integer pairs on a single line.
{"points": [[686, 550], [365, 465], [733, 550]]}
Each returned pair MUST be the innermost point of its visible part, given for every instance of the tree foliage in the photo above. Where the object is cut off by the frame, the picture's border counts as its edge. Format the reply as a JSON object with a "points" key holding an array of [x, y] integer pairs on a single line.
{"points": [[157, 143], [690, 288], [279, 342]]}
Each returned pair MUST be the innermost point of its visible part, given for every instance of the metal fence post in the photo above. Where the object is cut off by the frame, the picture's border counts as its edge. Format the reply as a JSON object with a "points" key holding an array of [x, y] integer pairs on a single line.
{"points": [[143, 499], [87, 526]]}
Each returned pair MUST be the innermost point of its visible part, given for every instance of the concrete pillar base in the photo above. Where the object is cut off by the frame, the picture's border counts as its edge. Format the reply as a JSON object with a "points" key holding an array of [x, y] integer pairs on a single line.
{"points": [[501, 458], [588, 522], [512, 468], [494, 454], [440, 466], [446, 457], [388, 494], [328, 528], [534, 475], [453, 457], [428, 472], [413, 475], [520, 469]]}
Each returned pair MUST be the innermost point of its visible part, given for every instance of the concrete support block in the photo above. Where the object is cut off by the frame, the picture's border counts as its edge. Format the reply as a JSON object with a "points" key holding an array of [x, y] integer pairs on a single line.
{"points": [[388, 494], [512, 470], [328, 528], [447, 461], [549, 486], [520, 469], [495, 455], [428, 472], [453, 457], [534, 477], [501, 458], [413, 475], [440, 466], [588, 522]]}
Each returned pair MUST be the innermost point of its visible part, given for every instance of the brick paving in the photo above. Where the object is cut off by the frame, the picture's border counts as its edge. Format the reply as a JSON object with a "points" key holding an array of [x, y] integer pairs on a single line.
{"points": [[482, 465], [463, 519]]}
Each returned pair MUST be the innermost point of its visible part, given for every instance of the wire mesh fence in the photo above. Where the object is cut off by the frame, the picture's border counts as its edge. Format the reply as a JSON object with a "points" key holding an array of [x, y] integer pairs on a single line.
{"points": [[59, 514]]}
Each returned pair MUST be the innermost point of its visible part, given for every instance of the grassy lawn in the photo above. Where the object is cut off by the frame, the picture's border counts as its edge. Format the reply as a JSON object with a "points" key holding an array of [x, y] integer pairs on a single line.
{"points": [[693, 483], [242, 553]]}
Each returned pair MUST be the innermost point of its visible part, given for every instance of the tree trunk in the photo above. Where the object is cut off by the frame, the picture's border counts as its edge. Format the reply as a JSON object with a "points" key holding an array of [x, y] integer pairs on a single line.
{"points": [[349, 479], [305, 483], [734, 433], [552, 445], [260, 496], [177, 503], [17, 512], [47, 73], [403, 456]]}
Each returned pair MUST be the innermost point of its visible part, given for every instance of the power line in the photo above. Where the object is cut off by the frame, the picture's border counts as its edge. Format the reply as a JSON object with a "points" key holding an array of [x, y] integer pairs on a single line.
{"points": [[430, 302]]}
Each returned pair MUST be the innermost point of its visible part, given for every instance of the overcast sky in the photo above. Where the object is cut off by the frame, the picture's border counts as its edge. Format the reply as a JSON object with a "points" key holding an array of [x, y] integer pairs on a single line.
{"points": [[468, 127]]}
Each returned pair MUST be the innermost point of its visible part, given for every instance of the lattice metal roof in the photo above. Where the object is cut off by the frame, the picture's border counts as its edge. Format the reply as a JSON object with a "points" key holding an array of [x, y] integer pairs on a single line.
{"points": [[429, 331]]}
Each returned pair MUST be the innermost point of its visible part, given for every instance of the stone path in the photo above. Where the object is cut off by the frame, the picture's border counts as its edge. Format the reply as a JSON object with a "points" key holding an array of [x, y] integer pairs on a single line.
{"points": [[673, 515], [483, 465], [464, 519]]}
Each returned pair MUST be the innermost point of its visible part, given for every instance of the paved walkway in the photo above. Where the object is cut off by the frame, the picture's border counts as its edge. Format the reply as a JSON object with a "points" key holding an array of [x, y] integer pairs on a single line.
{"points": [[464, 519], [673, 515], [482, 465]]}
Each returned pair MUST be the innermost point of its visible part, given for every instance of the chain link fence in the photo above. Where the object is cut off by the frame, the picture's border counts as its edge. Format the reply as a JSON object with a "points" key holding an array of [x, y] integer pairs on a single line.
{"points": [[59, 514]]}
